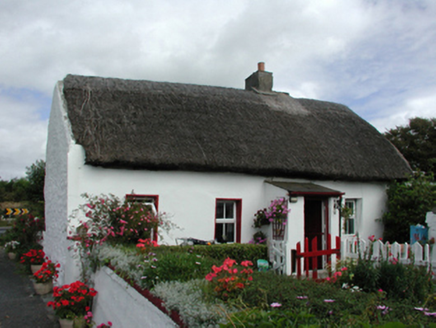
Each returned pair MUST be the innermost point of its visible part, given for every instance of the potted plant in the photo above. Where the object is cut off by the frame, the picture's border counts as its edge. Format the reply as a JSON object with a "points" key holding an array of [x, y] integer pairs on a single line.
{"points": [[33, 259], [72, 301], [277, 214], [10, 248], [260, 219], [43, 278]]}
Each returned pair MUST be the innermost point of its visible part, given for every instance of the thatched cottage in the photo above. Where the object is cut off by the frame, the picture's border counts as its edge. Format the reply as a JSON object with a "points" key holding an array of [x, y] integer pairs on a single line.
{"points": [[212, 156]]}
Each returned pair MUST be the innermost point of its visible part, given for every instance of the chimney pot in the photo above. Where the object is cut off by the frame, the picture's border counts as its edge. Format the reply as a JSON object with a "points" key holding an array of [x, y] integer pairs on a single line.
{"points": [[261, 66]]}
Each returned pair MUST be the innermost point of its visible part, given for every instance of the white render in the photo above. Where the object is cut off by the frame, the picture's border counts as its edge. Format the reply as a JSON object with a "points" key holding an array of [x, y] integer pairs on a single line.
{"points": [[121, 304], [187, 197]]}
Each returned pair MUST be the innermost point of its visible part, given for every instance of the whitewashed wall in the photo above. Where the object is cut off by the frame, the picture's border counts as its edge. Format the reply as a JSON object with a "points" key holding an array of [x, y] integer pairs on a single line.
{"points": [[56, 185], [121, 304], [187, 197]]}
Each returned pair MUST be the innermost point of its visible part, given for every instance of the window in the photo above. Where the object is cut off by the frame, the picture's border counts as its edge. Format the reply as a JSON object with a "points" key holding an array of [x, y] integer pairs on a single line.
{"points": [[228, 221], [350, 224], [150, 200]]}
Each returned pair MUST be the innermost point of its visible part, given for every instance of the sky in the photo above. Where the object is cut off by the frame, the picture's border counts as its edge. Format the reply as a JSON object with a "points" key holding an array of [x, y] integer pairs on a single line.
{"points": [[378, 57]]}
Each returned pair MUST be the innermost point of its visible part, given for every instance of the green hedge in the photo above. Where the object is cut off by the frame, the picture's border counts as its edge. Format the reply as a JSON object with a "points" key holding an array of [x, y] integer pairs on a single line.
{"points": [[238, 252]]}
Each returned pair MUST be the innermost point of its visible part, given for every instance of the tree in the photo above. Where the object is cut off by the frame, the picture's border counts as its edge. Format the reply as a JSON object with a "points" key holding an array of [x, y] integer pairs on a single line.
{"points": [[35, 174], [408, 203], [417, 143]]}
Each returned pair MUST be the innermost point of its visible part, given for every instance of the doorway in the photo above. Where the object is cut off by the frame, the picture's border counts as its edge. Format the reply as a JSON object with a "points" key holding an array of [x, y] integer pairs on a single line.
{"points": [[316, 224]]}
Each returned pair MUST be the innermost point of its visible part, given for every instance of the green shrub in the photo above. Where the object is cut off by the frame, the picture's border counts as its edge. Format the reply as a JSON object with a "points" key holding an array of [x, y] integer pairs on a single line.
{"points": [[397, 280], [27, 230], [175, 266], [237, 252], [274, 318]]}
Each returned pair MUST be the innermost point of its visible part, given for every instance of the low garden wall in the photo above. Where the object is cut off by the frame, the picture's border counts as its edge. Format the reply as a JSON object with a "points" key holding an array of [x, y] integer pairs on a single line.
{"points": [[121, 304]]}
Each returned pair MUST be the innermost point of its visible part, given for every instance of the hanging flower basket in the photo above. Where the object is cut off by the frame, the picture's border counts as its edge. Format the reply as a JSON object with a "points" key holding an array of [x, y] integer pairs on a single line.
{"points": [[278, 229]]}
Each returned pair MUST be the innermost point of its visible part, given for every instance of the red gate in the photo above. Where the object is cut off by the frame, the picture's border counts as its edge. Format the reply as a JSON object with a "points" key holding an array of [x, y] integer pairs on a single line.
{"points": [[314, 254]]}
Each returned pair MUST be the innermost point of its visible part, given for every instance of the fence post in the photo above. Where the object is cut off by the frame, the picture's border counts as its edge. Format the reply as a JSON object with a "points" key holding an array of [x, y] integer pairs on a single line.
{"points": [[298, 259], [314, 258]]}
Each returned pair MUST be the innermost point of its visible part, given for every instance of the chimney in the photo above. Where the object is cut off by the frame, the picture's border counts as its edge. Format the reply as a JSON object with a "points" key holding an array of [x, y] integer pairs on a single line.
{"points": [[260, 80]]}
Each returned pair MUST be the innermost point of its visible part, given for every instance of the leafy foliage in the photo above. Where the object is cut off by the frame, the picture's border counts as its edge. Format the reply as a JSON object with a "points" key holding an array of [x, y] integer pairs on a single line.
{"points": [[35, 174], [28, 191], [238, 252], [275, 318], [408, 203], [174, 267], [187, 298], [27, 231], [417, 143], [107, 218]]}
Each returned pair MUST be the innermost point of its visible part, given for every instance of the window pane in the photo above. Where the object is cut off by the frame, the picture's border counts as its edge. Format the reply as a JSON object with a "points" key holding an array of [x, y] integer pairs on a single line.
{"points": [[230, 232], [219, 210], [225, 232], [350, 227], [229, 210], [350, 205], [219, 232]]}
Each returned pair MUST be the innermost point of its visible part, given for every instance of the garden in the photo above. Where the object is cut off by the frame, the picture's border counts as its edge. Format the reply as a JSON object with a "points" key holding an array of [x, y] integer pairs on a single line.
{"points": [[219, 285]]}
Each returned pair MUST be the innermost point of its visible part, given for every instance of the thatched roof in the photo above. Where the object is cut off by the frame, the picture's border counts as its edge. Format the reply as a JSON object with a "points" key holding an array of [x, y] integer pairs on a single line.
{"points": [[171, 126]]}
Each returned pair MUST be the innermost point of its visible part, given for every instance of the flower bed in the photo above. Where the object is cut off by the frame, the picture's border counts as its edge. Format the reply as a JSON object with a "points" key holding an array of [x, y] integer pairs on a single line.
{"points": [[273, 297]]}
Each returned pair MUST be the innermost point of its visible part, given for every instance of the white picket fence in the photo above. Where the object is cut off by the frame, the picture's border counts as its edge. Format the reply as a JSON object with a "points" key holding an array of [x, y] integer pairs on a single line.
{"points": [[416, 254]]}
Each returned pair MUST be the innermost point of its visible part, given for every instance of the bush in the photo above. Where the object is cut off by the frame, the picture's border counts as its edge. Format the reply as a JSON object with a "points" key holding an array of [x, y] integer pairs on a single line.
{"points": [[238, 252], [274, 318], [397, 280], [175, 267], [27, 230], [408, 203]]}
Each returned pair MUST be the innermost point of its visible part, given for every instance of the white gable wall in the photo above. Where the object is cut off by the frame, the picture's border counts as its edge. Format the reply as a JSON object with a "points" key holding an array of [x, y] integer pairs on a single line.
{"points": [[56, 184]]}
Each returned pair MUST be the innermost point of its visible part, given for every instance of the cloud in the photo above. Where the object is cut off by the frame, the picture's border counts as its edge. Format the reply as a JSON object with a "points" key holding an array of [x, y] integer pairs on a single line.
{"points": [[22, 133], [374, 56]]}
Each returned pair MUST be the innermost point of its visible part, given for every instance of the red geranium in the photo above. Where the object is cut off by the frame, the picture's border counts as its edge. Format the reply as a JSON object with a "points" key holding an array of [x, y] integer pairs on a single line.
{"points": [[47, 272], [34, 256], [228, 279], [72, 300]]}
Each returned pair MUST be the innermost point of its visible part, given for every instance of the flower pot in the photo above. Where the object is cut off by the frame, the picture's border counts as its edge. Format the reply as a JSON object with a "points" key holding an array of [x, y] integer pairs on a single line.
{"points": [[278, 229], [35, 267], [72, 323], [79, 322], [66, 323], [12, 256], [43, 288]]}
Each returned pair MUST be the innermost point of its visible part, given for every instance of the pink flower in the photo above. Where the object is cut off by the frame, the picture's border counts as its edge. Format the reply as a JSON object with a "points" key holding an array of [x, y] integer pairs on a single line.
{"points": [[302, 297], [371, 238], [275, 304], [329, 301]]}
